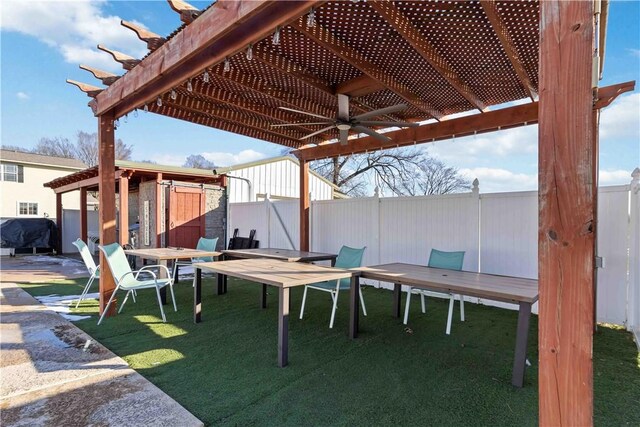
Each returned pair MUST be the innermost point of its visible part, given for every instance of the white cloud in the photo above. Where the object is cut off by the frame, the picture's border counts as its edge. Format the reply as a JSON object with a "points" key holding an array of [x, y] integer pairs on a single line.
{"points": [[634, 52], [230, 159], [22, 96], [499, 180], [169, 159], [614, 177], [74, 28], [622, 118]]}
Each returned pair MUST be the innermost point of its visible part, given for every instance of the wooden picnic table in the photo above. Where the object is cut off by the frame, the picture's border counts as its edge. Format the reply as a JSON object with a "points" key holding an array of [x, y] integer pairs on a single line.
{"points": [[162, 255], [288, 255], [517, 290], [268, 272]]}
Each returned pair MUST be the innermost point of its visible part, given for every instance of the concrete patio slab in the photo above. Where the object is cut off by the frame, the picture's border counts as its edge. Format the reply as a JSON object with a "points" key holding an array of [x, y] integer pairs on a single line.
{"points": [[51, 376]]}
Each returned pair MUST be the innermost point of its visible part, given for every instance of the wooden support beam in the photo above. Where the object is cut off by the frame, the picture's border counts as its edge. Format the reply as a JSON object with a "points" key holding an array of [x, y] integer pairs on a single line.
{"points": [[153, 40], [159, 208], [107, 200], [359, 86], [186, 11], [105, 77], [90, 90], [85, 183], [83, 215], [59, 223], [123, 211], [608, 94], [493, 14], [420, 44], [304, 205], [206, 42], [520, 115], [567, 225], [326, 39], [128, 62]]}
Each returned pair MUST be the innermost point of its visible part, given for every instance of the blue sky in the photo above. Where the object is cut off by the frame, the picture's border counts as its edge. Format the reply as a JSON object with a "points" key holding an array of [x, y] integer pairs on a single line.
{"points": [[43, 42]]}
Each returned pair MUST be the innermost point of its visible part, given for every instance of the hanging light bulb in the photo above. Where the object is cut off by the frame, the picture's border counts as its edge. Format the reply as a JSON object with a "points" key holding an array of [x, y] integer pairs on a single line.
{"points": [[146, 108], [205, 76], [227, 65], [276, 37], [126, 118], [159, 102], [116, 123], [135, 113], [250, 52], [189, 86], [174, 95], [311, 18]]}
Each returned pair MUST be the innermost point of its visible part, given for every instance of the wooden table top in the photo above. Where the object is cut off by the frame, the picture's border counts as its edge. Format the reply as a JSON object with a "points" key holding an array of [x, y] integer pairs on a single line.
{"points": [[288, 255], [275, 272], [480, 285], [162, 254]]}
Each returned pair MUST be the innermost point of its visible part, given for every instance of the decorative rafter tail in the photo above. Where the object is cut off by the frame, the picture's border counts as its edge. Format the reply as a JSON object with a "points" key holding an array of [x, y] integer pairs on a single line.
{"points": [[128, 62], [90, 90], [406, 29], [187, 12], [153, 40], [499, 27], [105, 77]]}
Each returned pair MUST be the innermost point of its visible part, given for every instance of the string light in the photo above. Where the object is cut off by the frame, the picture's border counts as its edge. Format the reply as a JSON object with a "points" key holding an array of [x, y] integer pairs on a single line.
{"points": [[174, 95], [126, 118], [205, 76], [135, 113], [116, 123], [146, 108], [276, 37], [250, 52], [189, 86], [159, 102], [311, 18], [227, 65]]}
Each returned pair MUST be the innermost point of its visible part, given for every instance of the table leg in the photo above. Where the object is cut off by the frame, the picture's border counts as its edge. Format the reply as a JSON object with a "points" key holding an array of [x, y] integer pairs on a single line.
{"points": [[263, 297], [522, 336], [220, 282], [283, 327], [162, 274], [197, 297], [354, 307], [224, 284], [176, 276], [397, 299]]}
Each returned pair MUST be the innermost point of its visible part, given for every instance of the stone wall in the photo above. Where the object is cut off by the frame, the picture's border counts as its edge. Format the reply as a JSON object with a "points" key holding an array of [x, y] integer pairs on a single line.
{"points": [[147, 192], [216, 214]]}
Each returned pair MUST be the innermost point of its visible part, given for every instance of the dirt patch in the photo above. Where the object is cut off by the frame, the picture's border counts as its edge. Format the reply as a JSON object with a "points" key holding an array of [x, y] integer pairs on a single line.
{"points": [[69, 335]]}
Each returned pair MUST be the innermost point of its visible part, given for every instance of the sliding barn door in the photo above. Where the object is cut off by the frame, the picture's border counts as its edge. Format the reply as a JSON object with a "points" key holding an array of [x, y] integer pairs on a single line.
{"points": [[186, 216]]}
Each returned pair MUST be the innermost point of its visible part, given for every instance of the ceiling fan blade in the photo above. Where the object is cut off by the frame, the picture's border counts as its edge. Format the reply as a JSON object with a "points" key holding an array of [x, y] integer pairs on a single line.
{"points": [[317, 132], [301, 124], [382, 123], [381, 111], [344, 136], [343, 107], [371, 132], [304, 112]]}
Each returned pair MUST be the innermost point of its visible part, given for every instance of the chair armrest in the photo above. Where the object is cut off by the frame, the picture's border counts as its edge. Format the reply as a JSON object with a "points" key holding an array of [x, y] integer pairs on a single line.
{"points": [[147, 268]]}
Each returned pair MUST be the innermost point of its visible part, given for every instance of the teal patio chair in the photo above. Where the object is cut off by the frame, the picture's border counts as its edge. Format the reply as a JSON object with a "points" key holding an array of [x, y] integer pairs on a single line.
{"points": [[127, 280], [204, 244], [347, 258], [94, 270], [449, 261]]}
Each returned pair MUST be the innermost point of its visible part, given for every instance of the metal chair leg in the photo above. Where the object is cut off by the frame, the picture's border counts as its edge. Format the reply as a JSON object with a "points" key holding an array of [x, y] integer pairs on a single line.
{"points": [[335, 306], [364, 309], [461, 307], [173, 298], [124, 301], [106, 309], [406, 308], [86, 289], [423, 302], [164, 319], [450, 315], [304, 299]]}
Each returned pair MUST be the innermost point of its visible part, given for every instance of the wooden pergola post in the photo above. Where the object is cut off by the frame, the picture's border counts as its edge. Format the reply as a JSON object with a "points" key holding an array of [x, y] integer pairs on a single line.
{"points": [[159, 210], [83, 214], [304, 205], [123, 193], [107, 200], [59, 222], [566, 211]]}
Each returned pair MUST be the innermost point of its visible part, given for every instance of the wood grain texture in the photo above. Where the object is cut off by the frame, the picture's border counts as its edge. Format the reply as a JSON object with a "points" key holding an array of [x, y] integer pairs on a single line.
{"points": [[107, 200], [304, 205], [123, 211], [287, 255], [83, 215], [480, 285], [275, 272], [164, 254], [566, 211]]}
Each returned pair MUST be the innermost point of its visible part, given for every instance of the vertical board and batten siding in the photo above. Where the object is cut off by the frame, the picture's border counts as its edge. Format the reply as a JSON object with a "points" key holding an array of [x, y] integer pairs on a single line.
{"points": [[278, 179], [613, 243], [498, 232], [71, 228]]}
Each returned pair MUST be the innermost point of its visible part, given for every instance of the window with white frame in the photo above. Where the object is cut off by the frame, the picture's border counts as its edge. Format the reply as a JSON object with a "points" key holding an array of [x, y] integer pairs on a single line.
{"points": [[9, 172], [27, 208]]}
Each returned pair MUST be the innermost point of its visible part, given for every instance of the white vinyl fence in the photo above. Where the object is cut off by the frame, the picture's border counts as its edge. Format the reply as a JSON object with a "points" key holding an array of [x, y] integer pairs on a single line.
{"points": [[71, 228], [498, 232]]}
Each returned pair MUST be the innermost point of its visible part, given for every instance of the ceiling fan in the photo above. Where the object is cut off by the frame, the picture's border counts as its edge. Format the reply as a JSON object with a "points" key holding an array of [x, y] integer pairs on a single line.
{"points": [[344, 123]]}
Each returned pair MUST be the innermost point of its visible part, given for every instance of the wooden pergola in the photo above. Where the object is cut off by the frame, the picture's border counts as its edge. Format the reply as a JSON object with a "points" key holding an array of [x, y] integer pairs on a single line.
{"points": [[235, 64]]}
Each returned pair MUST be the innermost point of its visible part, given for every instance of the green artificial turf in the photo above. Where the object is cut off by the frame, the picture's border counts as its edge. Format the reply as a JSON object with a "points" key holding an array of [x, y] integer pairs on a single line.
{"points": [[224, 370]]}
